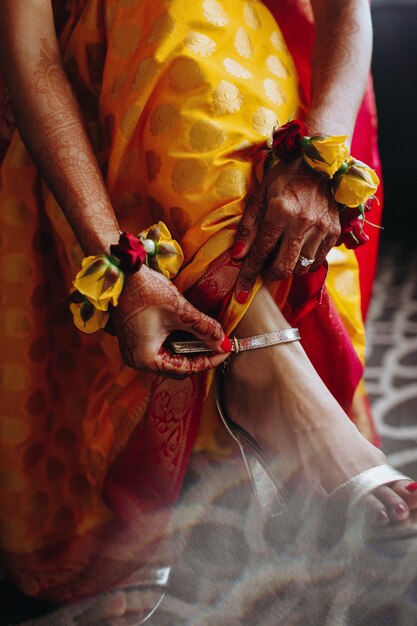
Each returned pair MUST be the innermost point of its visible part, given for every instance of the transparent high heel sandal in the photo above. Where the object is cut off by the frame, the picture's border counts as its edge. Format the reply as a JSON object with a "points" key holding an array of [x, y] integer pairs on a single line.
{"points": [[269, 490]]}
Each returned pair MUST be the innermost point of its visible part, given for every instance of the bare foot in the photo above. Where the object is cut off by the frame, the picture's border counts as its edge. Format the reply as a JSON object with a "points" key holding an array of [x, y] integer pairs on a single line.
{"points": [[276, 395]]}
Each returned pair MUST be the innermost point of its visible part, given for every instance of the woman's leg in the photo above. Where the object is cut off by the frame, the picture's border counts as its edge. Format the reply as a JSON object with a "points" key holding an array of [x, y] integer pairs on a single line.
{"points": [[277, 396]]}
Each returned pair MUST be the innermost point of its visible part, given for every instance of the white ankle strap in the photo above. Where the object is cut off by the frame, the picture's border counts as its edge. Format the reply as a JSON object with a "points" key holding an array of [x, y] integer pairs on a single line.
{"points": [[360, 485]]}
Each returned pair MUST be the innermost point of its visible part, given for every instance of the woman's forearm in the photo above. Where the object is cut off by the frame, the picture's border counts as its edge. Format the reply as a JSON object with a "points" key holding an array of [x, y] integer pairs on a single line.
{"points": [[50, 122], [341, 60]]}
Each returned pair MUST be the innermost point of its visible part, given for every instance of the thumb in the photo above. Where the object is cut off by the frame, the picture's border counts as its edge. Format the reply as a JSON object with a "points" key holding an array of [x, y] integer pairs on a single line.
{"points": [[205, 328]]}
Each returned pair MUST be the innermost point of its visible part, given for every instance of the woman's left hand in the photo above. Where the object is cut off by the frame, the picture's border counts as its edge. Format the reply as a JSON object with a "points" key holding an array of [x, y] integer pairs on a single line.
{"points": [[292, 213]]}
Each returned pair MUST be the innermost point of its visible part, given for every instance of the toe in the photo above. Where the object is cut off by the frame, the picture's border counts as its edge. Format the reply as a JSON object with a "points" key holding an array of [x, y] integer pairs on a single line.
{"points": [[407, 491], [375, 511], [395, 506], [115, 604], [109, 607]]}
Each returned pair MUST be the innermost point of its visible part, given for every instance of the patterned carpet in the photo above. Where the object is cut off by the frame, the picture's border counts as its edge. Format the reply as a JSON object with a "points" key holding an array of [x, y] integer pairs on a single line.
{"points": [[391, 371], [234, 569]]}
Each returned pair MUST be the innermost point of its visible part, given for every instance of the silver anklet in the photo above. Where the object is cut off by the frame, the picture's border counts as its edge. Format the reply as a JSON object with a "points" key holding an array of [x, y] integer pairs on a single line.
{"points": [[287, 335]]}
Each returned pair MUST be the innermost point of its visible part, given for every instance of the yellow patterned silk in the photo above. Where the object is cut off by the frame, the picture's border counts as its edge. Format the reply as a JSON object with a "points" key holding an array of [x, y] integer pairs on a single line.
{"points": [[200, 84], [175, 94]]}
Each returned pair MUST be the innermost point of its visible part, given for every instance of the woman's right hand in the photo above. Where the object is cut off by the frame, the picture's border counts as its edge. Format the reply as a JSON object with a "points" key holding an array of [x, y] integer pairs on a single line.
{"points": [[150, 308]]}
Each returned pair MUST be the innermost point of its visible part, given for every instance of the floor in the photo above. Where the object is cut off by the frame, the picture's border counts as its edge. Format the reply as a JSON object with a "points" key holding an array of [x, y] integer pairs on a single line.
{"points": [[315, 578], [391, 371]]}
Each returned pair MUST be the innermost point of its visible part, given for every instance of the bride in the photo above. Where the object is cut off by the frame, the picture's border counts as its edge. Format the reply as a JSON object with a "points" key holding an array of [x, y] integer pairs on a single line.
{"points": [[156, 112]]}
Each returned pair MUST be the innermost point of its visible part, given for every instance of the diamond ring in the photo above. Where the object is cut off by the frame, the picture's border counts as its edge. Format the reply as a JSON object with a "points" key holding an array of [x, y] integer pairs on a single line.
{"points": [[304, 261]]}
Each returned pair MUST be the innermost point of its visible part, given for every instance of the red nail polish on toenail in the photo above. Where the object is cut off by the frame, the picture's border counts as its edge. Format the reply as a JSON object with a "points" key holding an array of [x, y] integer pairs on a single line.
{"points": [[400, 508], [238, 248], [382, 517], [242, 296], [412, 487], [226, 344]]}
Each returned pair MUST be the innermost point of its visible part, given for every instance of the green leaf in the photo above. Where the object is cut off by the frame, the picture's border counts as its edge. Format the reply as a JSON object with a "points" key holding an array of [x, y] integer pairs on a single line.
{"points": [[319, 137], [114, 260], [355, 239], [342, 170], [312, 152], [357, 162]]}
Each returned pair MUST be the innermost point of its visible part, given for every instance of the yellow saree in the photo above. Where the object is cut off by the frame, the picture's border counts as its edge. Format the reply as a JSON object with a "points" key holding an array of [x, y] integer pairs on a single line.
{"points": [[176, 96]]}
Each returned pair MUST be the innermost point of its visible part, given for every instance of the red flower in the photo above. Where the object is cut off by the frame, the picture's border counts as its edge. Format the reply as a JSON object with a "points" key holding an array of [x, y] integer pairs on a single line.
{"points": [[130, 251], [347, 218], [286, 140], [352, 234]]}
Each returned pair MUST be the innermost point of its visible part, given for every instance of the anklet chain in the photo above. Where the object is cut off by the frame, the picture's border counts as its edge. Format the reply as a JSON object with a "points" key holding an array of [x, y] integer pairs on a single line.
{"points": [[287, 335]]}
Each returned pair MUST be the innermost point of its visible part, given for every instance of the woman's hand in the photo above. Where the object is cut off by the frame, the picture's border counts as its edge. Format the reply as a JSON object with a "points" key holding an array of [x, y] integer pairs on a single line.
{"points": [[292, 213], [150, 308]]}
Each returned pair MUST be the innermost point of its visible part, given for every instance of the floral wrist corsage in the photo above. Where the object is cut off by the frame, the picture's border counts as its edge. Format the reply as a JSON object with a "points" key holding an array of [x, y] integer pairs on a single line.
{"points": [[352, 183], [99, 283]]}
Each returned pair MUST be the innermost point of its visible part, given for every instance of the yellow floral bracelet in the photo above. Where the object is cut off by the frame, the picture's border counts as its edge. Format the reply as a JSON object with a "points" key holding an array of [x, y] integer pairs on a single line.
{"points": [[352, 183], [99, 283]]}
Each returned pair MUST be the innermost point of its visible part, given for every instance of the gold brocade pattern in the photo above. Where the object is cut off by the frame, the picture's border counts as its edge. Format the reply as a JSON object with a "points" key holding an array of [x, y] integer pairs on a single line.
{"points": [[183, 88], [171, 91]]}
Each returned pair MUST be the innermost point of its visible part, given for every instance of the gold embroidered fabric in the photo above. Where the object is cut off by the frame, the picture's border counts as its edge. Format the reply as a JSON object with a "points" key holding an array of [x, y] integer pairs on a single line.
{"points": [[174, 93]]}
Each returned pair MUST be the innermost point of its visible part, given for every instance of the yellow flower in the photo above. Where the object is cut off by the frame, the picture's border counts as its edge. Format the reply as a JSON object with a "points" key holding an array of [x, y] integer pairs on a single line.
{"points": [[95, 322], [100, 281], [357, 185], [164, 253], [325, 153]]}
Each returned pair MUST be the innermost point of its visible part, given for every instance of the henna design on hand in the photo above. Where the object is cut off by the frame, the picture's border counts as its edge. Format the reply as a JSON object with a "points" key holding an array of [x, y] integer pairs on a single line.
{"points": [[257, 206], [52, 83], [172, 365], [179, 367], [66, 158], [128, 343], [242, 236], [152, 290], [200, 323], [299, 209], [150, 308], [242, 231], [339, 79], [246, 231], [323, 250], [343, 52], [285, 262], [260, 252]]}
